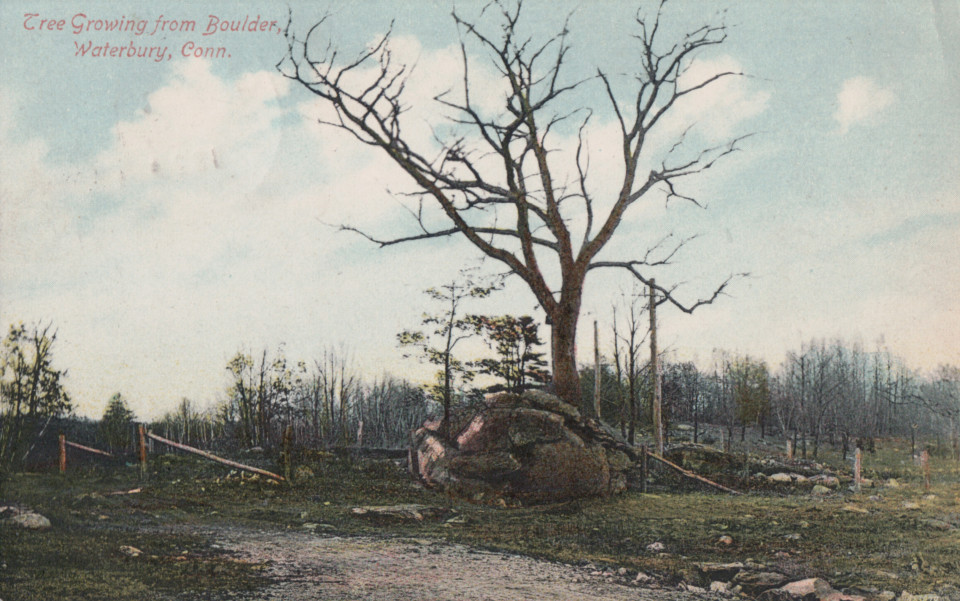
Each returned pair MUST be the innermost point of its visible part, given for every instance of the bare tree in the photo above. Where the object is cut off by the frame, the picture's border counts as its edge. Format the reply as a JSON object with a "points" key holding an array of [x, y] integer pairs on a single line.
{"points": [[498, 181], [449, 328], [260, 390], [631, 337]]}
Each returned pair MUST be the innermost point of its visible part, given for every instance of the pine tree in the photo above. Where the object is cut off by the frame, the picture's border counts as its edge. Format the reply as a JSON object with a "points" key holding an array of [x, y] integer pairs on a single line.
{"points": [[116, 427]]}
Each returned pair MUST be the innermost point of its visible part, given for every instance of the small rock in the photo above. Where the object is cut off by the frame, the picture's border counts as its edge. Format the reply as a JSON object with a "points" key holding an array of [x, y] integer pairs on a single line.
{"points": [[656, 547], [792, 536], [29, 521], [930, 497], [683, 586], [886, 596], [905, 596], [826, 480], [130, 551], [804, 524], [622, 572], [887, 575], [853, 509], [910, 505], [892, 483], [408, 512], [819, 490], [643, 578], [809, 589], [757, 582], [875, 498], [780, 477], [458, 519], [720, 571], [302, 473], [935, 524], [725, 540], [719, 587]]}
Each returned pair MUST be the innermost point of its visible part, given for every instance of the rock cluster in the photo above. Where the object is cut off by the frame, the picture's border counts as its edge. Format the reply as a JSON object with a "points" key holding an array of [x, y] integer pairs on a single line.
{"points": [[766, 585], [531, 449]]}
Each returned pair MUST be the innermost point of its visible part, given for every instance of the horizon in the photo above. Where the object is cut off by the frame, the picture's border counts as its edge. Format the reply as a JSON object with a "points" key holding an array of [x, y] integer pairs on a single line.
{"points": [[173, 213]]}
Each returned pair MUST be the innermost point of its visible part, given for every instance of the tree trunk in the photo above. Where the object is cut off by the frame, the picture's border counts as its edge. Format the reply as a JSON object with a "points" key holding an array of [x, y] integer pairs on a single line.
{"points": [[655, 374], [696, 423], [563, 346]]}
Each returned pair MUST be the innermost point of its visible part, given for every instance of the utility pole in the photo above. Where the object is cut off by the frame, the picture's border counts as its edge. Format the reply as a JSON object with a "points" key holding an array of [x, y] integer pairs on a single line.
{"points": [[655, 373], [596, 370]]}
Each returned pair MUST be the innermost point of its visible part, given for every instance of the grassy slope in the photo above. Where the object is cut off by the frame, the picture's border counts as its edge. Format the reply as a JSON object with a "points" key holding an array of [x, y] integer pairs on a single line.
{"points": [[889, 548]]}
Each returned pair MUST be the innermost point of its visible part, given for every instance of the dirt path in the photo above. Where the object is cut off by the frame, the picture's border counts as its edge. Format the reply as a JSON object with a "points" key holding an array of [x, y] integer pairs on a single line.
{"points": [[308, 567]]}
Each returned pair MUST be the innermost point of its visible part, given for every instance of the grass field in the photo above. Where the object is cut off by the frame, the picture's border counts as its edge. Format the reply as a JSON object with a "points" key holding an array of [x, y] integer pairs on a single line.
{"points": [[885, 538]]}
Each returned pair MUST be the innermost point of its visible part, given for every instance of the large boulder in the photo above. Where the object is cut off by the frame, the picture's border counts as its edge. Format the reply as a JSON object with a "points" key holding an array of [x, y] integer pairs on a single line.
{"points": [[531, 448]]}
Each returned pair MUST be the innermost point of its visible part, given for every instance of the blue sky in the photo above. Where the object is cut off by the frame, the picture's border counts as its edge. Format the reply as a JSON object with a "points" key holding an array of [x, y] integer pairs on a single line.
{"points": [[166, 214]]}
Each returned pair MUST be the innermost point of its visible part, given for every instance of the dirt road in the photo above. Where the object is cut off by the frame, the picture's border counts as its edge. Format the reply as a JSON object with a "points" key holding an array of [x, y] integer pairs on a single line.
{"points": [[309, 567]]}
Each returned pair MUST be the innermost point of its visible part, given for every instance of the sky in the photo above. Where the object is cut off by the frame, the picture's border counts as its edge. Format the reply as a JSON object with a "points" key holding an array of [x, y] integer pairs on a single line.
{"points": [[165, 214]]}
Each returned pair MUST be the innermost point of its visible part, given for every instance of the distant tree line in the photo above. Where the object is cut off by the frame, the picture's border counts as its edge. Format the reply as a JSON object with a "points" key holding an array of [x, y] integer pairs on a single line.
{"points": [[827, 392], [824, 393]]}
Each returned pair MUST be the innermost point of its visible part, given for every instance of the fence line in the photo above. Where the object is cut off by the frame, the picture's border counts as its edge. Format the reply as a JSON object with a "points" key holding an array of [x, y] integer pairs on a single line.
{"points": [[64, 443], [213, 457]]}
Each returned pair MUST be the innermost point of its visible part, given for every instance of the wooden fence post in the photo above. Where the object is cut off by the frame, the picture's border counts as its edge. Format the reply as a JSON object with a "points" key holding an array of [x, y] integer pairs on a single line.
{"points": [[63, 454], [644, 466], [287, 454], [142, 447], [925, 466], [857, 466]]}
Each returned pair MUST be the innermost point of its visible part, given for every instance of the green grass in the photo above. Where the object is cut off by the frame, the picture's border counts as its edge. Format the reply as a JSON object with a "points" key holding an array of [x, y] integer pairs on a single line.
{"points": [[888, 548]]}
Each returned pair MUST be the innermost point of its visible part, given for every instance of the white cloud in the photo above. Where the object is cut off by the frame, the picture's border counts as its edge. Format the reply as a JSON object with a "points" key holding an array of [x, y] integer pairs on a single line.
{"points": [[720, 108], [860, 99]]}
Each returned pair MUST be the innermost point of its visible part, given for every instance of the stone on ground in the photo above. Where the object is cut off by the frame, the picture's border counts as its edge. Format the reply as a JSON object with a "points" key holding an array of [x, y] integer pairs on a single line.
{"points": [[411, 512], [810, 589], [755, 583], [27, 520]]}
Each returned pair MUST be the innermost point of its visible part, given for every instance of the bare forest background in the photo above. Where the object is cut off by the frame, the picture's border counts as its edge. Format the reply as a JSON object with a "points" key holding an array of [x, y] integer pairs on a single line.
{"points": [[828, 392]]}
